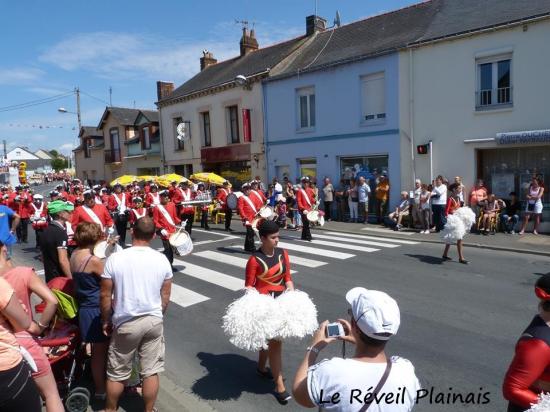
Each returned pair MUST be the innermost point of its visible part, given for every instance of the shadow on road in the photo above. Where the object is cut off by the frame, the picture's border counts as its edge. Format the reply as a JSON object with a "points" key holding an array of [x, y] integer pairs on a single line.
{"points": [[432, 260], [233, 251], [229, 375]]}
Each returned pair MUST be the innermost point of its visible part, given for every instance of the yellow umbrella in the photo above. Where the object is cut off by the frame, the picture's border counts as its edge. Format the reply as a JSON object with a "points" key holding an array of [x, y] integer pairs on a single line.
{"points": [[124, 180], [208, 178], [146, 178], [173, 177]]}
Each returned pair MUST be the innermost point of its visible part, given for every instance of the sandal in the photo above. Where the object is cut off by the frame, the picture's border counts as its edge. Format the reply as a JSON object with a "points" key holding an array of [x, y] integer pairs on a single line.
{"points": [[283, 397], [446, 258], [463, 261]]}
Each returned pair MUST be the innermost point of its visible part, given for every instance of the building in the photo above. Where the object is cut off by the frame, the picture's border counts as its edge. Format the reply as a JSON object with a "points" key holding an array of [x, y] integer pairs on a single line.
{"points": [[477, 83], [89, 157], [221, 112], [143, 150], [36, 162]]}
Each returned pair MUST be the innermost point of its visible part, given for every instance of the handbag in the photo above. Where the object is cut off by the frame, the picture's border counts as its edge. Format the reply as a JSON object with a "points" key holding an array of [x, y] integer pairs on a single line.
{"points": [[381, 383], [67, 308]]}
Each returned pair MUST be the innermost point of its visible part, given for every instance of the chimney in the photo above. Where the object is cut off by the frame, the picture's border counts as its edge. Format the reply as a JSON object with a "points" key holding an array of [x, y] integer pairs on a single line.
{"points": [[164, 89], [207, 59], [248, 42], [315, 24]]}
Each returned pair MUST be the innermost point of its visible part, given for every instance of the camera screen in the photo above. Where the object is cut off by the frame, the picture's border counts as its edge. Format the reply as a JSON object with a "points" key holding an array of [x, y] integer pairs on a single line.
{"points": [[333, 330]]}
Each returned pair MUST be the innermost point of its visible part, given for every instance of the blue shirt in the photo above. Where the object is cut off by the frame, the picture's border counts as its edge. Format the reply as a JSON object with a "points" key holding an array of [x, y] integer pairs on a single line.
{"points": [[5, 236]]}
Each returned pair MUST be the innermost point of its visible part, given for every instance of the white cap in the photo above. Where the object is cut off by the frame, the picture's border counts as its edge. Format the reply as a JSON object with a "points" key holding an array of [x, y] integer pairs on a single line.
{"points": [[280, 197], [374, 312], [38, 196]]}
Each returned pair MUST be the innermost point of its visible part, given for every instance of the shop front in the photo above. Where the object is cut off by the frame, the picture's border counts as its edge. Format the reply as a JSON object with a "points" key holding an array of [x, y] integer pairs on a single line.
{"points": [[231, 162]]}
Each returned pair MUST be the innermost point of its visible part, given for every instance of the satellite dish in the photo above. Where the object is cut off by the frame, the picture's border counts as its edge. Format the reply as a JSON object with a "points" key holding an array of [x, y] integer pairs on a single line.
{"points": [[337, 20], [240, 80], [183, 131]]}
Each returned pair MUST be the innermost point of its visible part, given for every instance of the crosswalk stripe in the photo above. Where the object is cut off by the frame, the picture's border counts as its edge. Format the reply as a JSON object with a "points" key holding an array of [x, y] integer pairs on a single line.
{"points": [[343, 246], [382, 239], [294, 260], [360, 241], [315, 251], [211, 276], [372, 229], [223, 258], [185, 297]]}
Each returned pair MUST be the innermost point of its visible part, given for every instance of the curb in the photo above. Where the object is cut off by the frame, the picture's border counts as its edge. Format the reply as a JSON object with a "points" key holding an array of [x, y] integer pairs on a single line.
{"points": [[172, 397], [438, 242]]}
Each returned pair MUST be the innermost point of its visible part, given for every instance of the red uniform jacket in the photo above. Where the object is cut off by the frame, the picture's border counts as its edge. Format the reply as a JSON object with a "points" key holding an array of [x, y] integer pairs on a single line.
{"points": [[181, 195], [37, 215], [302, 199], [268, 274], [258, 198], [151, 199], [162, 223], [137, 213], [222, 196], [247, 209], [112, 204], [25, 206], [80, 215]]}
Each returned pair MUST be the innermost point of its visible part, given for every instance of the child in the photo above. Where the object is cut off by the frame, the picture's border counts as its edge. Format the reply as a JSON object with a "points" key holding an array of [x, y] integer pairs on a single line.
{"points": [[281, 211]]}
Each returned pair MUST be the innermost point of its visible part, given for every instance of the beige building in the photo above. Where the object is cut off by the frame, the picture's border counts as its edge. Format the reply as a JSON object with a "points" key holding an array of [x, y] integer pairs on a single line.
{"points": [[89, 158], [143, 150]]}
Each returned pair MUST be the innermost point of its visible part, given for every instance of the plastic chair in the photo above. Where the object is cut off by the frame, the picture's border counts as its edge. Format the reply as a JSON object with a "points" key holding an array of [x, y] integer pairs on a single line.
{"points": [[219, 216]]}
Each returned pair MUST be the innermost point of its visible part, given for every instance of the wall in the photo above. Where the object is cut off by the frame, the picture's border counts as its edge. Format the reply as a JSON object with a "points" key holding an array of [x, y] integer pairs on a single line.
{"points": [[113, 170]]}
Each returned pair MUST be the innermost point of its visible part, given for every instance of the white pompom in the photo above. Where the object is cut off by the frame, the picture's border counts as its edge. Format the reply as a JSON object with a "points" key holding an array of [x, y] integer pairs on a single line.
{"points": [[298, 313], [453, 230], [467, 216], [251, 321], [543, 405]]}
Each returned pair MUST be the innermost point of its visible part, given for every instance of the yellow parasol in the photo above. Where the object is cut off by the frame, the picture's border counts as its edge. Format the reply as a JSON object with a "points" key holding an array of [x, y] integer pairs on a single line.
{"points": [[166, 180], [124, 180], [146, 178], [206, 177]]}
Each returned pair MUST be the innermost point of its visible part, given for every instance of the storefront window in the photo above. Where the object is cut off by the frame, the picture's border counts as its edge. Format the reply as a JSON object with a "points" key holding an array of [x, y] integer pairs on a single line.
{"points": [[236, 172], [507, 170], [307, 167]]}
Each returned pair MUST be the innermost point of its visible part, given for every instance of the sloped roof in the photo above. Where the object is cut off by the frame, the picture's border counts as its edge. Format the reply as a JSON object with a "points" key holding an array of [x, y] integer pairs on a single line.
{"points": [[253, 63], [124, 116], [151, 115], [389, 32], [90, 131]]}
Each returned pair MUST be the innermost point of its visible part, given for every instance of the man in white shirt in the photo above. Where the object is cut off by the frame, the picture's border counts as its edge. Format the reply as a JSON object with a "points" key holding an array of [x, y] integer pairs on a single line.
{"points": [[347, 384], [135, 291], [439, 201]]}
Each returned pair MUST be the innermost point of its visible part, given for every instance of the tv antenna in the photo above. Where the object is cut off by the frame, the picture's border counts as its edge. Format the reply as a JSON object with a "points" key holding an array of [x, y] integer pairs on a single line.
{"points": [[244, 23]]}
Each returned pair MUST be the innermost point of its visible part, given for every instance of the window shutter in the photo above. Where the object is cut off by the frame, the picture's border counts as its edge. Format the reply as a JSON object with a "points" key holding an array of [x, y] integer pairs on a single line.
{"points": [[247, 132], [373, 97]]}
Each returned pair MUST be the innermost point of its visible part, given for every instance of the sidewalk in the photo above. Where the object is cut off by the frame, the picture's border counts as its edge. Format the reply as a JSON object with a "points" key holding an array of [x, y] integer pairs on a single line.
{"points": [[528, 243]]}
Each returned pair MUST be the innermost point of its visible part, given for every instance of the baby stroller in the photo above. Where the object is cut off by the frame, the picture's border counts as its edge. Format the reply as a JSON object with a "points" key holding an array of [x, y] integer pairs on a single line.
{"points": [[65, 352]]}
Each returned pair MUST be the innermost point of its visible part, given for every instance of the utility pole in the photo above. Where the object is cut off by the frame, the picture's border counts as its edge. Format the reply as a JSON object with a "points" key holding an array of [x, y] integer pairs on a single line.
{"points": [[5, 150], [110, 96], [77, 92]]}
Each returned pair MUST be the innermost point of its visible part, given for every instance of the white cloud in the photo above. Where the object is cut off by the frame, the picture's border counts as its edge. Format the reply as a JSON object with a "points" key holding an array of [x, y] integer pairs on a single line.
{"points": [[66, 148], [19, 75]]}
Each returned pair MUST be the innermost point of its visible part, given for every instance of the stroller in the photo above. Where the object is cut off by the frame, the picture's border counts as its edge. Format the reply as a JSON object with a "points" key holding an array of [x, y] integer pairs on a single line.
{"points": [[66, 354]]}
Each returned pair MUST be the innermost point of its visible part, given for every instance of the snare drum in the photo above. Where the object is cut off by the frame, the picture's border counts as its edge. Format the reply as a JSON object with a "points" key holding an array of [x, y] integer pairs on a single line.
{"points": [[231, 201], [266, 212], [181, 242], [313, 216], [103, 249]]}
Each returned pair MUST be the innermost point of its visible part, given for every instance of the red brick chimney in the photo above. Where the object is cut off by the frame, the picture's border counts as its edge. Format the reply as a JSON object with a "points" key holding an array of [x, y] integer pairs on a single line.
{"points": [[164, 89], [248, 42], [207, 59]]}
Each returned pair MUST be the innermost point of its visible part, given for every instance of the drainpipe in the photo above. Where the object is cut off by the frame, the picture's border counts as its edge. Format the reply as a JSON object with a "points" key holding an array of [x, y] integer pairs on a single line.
{"points": [[411, 115], [265, 143], [161, 139]]}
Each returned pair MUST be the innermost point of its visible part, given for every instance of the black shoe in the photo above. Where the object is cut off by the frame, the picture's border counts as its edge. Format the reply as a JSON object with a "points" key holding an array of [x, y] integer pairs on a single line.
{"points": [[463, 261], [207, 228], [229, 229], [446, 258], [283, 397], [264, 374]]}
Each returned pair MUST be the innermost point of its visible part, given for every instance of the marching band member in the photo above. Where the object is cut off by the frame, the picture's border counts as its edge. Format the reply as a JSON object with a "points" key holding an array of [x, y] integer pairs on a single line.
{"points": [[204, 207], [147, 187], [166, 219], [257, 196], [97, 194], [104, 195], [38, 217], [62, 192], [137, 211], [305, 197], [76, 198], [187, 213], [172, 190], [247, 211], [223, 192], [21, 203], [91, 212], [54, 195], [152, 198], [118, 205]]}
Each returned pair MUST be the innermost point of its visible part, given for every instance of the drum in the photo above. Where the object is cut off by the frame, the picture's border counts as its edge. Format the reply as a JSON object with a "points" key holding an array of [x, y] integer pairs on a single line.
{"points": [[103, 249], [231, 201], [39, 224], [181, 242], [321, 220], [266, 212], [313, 216]]}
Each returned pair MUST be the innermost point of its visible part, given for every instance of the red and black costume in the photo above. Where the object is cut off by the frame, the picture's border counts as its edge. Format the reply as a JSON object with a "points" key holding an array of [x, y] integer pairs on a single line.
{"points": [[452, 205], [97, 214], [305, 198], [119, 205], [268, 274], [529, 372], [247, 211]]}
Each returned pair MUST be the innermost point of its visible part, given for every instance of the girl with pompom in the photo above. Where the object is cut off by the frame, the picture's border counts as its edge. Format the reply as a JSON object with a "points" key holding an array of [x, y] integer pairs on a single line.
{"points": [[268, 271], [454, 229], [527, 382]]}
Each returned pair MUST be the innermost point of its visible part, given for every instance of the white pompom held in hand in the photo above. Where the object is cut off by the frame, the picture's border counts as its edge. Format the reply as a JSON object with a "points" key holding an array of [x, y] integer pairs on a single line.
{"points": [[458, 224], [543, 404], [253, 319]]}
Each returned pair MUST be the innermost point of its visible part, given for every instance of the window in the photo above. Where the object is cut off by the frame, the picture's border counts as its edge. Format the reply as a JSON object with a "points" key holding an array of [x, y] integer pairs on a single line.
{"points": [[307, 167], [373, 97], [145, 139], [494, 83], [207, 138], [306, 108], [178, 144], [233, 115], [87, 143], [115, 145]]}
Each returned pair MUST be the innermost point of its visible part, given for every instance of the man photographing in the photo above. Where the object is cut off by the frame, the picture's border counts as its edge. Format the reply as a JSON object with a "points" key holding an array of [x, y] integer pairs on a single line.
{"points": [[347, 384]]}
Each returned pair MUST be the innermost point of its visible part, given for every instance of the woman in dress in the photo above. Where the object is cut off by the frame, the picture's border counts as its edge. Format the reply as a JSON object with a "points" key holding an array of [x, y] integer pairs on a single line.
{"points": [[454, 230], [534, 205], [268, 271], [87, 269]]}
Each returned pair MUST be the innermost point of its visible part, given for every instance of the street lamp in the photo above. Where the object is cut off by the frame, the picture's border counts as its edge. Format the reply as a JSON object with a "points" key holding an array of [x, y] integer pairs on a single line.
{"points": [[63, 110]]}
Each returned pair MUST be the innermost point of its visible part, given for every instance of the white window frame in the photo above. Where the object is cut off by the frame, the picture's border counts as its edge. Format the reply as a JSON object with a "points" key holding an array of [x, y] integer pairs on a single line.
{"points": [[179, 146], [306, 92], [493, 60], [381, 116]]}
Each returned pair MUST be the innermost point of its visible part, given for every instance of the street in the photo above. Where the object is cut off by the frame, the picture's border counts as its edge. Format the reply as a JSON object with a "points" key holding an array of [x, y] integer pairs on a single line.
{"points": [[459, 323]]}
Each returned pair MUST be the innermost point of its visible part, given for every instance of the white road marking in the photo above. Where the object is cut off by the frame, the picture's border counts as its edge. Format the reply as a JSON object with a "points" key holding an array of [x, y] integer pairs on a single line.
{"points": [[205, 242], [185, 297], [223, 258], [211, 276], [383, 239], [343, 246], [369, 229], [315, 251], [211, 232], [294, 260], [360, 241]]}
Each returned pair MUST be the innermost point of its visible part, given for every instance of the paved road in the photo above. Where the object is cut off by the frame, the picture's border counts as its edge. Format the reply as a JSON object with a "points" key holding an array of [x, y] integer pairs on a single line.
{"points": [[459, 323]]}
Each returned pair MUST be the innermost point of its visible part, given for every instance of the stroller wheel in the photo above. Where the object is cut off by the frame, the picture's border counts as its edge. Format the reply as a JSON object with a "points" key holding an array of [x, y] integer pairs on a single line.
{"points": [[77, 402], [82, 389]]}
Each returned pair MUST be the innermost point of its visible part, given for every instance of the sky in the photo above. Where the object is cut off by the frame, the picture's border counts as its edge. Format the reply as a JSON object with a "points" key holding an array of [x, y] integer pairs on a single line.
{"points": [[50, 47]]}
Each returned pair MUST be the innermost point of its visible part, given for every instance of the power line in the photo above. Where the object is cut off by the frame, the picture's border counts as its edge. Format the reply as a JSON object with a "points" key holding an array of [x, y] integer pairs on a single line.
{"points": [[96, 98], [34, 102]]}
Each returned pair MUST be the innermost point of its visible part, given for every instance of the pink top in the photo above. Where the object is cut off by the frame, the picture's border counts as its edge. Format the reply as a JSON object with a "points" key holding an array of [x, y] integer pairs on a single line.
{"points": [[9, 358], [19, 279]]}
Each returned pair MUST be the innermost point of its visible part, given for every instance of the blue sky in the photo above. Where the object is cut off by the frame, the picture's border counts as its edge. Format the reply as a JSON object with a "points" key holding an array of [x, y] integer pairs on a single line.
{"points": [[49, 47]]}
